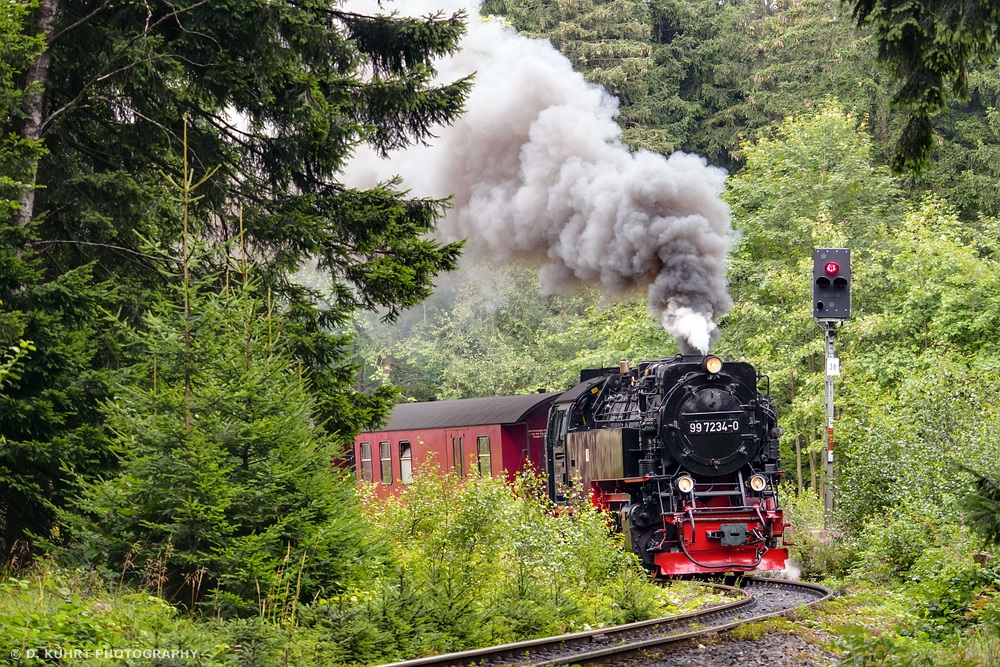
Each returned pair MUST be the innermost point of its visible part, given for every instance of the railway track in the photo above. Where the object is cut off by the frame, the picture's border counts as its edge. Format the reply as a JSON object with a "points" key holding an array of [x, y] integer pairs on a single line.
{"points": [[755, 598]]}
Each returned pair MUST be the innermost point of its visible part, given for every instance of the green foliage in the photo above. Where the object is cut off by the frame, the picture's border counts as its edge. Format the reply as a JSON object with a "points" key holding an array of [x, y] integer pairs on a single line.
{"points": [[609, 42], [902, 451], [983, 506], [892, 541], [709, 75], [906, 448], [864, 649], [955, 593], [64, 619], [226, 496], [53, 616], [816, 554], [47, 400], [940, 279], [759, 64], [309, 83], [478, 336], [605, 334], [632, 598], [49, 414], [946, 615], [18, 48], [930, 48], [367, 628], [9, 362], [924, 296], [810, 183], [481, 561], [126, 88], [967, 152], [701, 75], [494, 332]]}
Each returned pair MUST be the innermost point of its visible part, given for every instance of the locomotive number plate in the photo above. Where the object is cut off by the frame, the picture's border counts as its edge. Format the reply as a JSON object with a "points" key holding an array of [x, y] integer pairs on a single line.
{"points": [[713, 426]]}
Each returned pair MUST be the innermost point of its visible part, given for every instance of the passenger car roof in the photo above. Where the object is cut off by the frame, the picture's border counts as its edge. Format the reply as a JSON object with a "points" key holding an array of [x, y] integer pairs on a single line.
{"points": [[465, 412]]}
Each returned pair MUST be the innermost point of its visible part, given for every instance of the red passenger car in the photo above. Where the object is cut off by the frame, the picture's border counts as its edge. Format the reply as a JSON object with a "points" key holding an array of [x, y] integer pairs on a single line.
{"points": [[486, 436]]}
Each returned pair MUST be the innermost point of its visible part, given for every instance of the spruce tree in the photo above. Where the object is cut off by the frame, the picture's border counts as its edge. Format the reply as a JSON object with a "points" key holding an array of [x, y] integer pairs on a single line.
{"points": [[226, 494], [276, 96], [227, 486], [930, 48]]}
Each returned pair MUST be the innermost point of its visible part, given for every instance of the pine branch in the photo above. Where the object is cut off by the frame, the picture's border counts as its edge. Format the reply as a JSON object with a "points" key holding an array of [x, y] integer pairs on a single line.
{"points": [[108, 246]]}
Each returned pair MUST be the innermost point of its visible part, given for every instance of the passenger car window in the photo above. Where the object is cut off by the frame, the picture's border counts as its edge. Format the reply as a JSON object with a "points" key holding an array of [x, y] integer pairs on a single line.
{"points": [[405, 463], [366, 461]]}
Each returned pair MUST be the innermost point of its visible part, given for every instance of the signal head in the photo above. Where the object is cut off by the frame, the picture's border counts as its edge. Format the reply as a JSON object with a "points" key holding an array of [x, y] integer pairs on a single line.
{"points": [[831, 284]]}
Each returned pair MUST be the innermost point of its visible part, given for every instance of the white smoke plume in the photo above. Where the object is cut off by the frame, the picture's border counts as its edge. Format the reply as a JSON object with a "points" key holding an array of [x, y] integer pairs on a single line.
{"points": [[538, 170]]}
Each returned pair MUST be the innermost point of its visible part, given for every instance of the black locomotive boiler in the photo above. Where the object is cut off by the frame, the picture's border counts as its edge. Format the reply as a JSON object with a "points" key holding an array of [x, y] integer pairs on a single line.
{"points": [[685, 450]]}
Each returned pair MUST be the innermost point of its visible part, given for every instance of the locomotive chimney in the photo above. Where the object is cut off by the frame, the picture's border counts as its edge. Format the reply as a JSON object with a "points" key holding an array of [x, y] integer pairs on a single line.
{"points": [[623, 367]]}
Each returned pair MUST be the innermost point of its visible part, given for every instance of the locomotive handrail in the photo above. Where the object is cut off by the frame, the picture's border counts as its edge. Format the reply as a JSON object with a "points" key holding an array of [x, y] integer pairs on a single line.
{"points": [[723, 566], [760, 515], [703, 511], [711, 494], [767, 382]]}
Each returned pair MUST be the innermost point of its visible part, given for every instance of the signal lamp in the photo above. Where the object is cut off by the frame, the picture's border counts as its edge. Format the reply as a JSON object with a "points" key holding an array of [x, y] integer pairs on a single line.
{"points": [[712, 364], [685, 484], [758, 483]]}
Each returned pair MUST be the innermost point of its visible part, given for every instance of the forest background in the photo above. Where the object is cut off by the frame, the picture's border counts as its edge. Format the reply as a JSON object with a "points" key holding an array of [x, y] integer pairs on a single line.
{"points": [[195, 314]]}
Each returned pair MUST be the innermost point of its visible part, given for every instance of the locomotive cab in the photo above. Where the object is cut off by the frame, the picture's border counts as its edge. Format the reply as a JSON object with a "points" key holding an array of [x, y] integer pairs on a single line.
{"points": [[685, 451]]}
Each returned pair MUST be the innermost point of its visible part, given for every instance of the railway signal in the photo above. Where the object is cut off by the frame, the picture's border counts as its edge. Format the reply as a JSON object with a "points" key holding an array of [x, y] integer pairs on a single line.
{"points": [[831, 305]]}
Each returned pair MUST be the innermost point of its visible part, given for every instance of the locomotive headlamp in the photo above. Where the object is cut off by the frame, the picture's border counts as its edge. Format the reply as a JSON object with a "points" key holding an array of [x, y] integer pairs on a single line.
{"points": [[712, 364], [758, 483], [685, 483]]}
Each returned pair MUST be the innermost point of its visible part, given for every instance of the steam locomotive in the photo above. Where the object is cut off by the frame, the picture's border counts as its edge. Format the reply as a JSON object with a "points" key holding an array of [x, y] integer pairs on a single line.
{"points": [[683, 451], [686, 450]]}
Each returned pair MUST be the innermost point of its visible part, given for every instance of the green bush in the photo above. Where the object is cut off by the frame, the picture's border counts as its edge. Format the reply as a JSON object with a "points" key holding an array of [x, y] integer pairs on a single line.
{"points": [[892, 542], [946, 615], [815, 552], [632, 598], [484, 561], [225, 494], [474, 562], [864, 649], [954, 593]]}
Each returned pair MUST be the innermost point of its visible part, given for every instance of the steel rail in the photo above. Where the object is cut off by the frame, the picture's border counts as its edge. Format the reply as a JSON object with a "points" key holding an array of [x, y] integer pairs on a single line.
{"points": [[595, 645]]}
